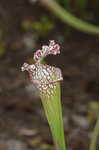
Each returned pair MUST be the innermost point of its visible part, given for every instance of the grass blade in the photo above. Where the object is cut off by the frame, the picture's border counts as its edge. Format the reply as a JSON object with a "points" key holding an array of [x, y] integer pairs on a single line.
{"points": [[94, 136]]}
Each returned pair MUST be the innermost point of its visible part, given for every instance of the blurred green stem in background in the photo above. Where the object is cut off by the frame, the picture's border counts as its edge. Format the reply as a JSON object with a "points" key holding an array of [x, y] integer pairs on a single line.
{"points": [[94, 136], [68, 18]]}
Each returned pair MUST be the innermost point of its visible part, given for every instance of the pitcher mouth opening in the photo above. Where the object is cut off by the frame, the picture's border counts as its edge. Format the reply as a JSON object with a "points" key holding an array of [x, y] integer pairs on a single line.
{"points": [[42, 75]]}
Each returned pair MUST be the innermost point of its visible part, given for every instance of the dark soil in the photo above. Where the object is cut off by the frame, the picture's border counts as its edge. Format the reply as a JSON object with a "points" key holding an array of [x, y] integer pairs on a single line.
{"points": [[23, 125]]}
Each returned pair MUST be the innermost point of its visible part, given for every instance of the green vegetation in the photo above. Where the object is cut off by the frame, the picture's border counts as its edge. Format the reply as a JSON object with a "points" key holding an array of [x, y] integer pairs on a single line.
{"points": [[94, 136], [93, 115], [69, 18], [42, 27]]}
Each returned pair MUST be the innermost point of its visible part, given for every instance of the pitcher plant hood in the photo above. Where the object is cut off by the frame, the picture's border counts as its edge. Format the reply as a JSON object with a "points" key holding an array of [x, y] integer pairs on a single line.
{"points": [[41, 75]]}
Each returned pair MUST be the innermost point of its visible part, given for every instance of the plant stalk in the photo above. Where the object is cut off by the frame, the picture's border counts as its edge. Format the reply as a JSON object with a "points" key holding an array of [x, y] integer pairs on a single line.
{"points": [[53, 111], [68, 18]]}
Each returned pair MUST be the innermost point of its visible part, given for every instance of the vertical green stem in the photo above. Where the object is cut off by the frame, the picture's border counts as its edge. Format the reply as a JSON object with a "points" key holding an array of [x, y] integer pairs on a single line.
{"points": [[53, 111], [94, 136]]}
